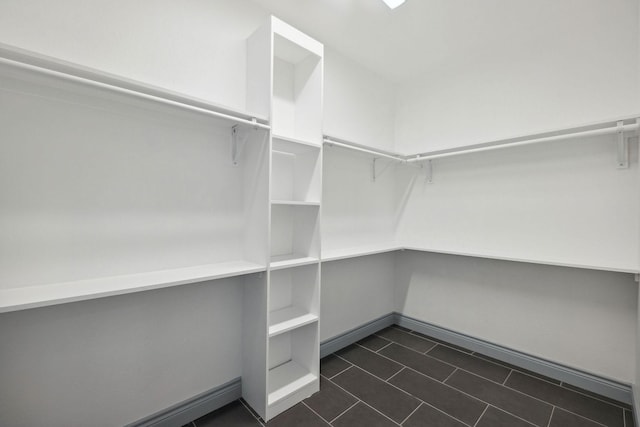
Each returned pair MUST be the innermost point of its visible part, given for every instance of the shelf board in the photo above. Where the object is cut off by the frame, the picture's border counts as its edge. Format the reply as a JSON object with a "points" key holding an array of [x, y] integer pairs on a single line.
{"points": [[287, 379], [358, 251], [59, 293], [613, 268], [294, 203], [289, 318], [293, 145], [291, 260], [30, 64]]}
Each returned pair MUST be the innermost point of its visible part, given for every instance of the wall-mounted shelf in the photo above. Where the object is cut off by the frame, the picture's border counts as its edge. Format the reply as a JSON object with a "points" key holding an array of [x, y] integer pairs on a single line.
{"points": [[59, 293], [289, 318], [358, 251], [294, 203], [291, 260], [25, 64]]}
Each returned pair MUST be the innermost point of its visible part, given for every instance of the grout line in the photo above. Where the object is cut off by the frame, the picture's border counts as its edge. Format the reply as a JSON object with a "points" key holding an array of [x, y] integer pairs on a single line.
{"points": [[481, 415], [450, 375], [412, 412], [343, 359], [445, 413], [504, 383], [251, 411], [343, 412], [551, 416], [385, 346], [617, 405], [365, 403], [401, 369], [312, 410], [515, 416], [434, 346], [583, 417]]}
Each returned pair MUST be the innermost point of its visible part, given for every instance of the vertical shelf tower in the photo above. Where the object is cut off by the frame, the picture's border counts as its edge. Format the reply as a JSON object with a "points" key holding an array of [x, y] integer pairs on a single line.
{"points": [[281, 346]]}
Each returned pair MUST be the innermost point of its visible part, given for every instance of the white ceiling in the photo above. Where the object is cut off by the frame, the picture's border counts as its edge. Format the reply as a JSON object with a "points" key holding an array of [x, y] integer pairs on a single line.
{"points": [[433, 35]]}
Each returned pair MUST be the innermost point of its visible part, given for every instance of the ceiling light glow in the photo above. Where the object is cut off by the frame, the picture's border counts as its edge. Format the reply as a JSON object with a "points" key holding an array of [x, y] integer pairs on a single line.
{"points": [[393, 3]]}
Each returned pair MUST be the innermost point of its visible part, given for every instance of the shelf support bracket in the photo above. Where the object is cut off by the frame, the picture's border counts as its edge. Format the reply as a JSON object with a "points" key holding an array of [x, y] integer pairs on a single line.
{"points": [[239, 137], [376, 173], [428, 172], [623, 147]]}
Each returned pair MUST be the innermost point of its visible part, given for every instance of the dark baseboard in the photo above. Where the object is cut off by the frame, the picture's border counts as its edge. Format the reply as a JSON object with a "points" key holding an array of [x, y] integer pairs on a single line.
{"points": [[191, 409]]}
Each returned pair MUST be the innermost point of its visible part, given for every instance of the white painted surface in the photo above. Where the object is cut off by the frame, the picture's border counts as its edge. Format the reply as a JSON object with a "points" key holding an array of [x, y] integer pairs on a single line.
{"points": [[145, 41], [354, 292], [356, 210], [115, 360], [563, 202], [579, 318], [555, 78], [359, 104]]}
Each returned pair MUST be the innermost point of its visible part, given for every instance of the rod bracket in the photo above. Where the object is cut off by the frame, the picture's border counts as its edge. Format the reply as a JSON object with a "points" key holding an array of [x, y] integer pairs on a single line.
{"points": [[428, 171], [376, 173], [623, 147], [239, 137]]}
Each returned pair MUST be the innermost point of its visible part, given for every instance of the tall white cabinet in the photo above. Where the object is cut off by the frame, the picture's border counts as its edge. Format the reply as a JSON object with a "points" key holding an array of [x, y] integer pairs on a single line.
{"points": [[281, 330]]}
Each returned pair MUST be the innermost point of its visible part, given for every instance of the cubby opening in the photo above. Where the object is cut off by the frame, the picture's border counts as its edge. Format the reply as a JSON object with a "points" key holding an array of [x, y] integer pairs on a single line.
{"points": [[297, 92], [293, 298], [293, 362], [296, 172], [294, 234]]}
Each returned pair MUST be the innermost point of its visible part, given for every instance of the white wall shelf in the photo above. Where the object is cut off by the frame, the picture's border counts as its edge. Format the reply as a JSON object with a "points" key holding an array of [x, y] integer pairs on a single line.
{"points": [[289, 318], [294, 203], [291, 260], [358, 251], [288, 379], [34, 65], [23, 298], [292, 145]]}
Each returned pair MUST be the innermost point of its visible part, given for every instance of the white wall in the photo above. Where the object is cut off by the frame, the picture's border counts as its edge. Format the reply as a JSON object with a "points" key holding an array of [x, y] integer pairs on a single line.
{"points": [[562, 202], [580, 66], [359, 105], [356, 211], [115, 360], [579, 318], [354, 292], [196, 47]]}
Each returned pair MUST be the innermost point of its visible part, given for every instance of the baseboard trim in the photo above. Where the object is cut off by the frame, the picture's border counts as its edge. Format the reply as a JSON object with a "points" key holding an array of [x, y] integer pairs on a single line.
{"points": [[356, 334], [596, 384], [636, 405], [193, 408]]}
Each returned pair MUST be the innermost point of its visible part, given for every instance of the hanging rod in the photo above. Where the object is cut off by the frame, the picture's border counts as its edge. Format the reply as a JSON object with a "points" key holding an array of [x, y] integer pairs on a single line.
{"points": [[497, 145], [46, 65], [356, 147]]}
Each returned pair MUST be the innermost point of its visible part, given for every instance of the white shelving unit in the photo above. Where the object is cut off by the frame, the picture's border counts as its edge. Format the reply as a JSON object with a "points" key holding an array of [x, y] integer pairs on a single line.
{"points": [[287, 320], [109, 218]]}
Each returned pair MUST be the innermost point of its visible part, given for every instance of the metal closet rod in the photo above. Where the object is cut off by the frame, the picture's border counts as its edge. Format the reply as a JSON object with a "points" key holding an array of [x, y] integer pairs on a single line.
{"points": [[113, 88], [494, 146]]}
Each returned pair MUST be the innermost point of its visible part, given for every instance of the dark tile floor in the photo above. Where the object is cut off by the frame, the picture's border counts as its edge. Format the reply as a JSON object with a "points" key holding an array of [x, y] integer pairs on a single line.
{"points": [[399, 377]]}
